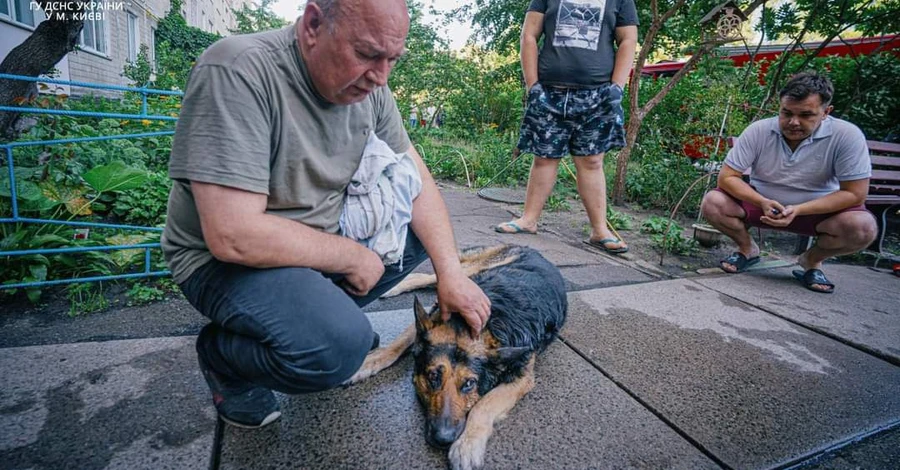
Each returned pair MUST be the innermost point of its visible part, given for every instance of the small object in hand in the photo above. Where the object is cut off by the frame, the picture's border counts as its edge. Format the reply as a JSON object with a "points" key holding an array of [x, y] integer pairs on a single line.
{"points": [[775, 211]]}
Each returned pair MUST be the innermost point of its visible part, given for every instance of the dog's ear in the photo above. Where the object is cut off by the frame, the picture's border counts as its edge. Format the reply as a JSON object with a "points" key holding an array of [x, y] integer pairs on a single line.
{"points": [[500, 361], [423, 323], [511, 355]]}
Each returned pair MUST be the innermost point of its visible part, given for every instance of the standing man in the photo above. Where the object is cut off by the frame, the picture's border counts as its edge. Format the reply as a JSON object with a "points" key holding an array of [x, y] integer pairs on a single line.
{"points": [[809, 174], [272, 128], [575, 88]]}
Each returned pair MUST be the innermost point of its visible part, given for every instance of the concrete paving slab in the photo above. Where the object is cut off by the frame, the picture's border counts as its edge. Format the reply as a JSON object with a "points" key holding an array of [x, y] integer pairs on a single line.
{"points": [[761, 266], [473, 220], [877, 452], [112, 405], [864, 310], [601, 275], [574, 418], [753, 389], [560, 254]]}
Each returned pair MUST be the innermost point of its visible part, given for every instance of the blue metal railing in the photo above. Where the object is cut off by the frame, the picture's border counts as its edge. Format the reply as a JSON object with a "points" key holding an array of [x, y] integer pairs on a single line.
{"points": [[8, 151]]}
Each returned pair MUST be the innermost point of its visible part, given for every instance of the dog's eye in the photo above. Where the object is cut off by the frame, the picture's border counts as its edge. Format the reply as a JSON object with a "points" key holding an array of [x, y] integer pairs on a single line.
{"points": [[434, 378], [468, 385]]}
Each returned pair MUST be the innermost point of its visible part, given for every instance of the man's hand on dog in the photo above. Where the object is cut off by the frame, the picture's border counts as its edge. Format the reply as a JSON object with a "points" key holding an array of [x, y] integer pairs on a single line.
{"points": [[458, 293]]}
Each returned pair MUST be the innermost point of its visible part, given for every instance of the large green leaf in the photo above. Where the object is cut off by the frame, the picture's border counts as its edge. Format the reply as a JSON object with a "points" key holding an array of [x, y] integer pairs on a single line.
{"points": [[49, 241], [25, 190], [114, 177], [11, 241]]}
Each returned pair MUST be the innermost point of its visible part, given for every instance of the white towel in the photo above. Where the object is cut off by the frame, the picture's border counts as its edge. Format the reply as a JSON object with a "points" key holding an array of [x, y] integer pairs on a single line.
{"points": [[378, 204]]}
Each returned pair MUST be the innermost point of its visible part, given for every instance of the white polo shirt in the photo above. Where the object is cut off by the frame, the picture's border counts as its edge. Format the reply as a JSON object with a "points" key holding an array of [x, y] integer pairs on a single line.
{"points": [[835, 152]]}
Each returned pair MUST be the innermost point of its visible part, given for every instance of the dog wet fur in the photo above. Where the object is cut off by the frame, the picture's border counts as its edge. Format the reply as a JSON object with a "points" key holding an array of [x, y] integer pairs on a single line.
{"points": [[466, 384]]}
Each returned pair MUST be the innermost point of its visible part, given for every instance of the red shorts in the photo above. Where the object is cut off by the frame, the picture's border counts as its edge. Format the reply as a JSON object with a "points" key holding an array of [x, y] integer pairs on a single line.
{"points": [[802, 224]]}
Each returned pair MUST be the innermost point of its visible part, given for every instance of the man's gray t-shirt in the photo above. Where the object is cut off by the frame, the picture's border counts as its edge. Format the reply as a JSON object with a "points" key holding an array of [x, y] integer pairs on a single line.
{"points": [[835, 152], [579, 39], [252, 120]]}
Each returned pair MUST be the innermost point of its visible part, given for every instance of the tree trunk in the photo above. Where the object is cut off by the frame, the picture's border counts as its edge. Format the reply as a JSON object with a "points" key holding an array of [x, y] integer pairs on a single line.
{"points": [[631, 134], [638, 113], [47, 45]]}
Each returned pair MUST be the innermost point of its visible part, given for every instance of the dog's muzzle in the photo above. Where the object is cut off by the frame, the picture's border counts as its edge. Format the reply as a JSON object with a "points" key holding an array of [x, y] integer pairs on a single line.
{"points": [[441, 432]]}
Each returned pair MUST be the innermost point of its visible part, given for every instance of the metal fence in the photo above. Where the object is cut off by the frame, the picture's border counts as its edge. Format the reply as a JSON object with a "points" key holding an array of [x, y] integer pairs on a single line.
{"points": [[17, 219]]}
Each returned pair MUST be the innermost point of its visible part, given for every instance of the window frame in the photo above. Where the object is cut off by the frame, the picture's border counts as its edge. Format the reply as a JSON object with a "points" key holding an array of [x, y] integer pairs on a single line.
{"points": [[92, 48], [152, 48], [11, 15], [133, 36]]}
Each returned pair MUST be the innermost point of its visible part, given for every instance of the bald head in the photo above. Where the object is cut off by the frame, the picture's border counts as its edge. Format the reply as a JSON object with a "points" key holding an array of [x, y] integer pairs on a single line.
{"points": [[350, 46], [332, 10]]}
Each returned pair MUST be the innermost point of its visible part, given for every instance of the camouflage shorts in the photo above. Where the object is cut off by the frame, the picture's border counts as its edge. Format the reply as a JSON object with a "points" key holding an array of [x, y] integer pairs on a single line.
{"points": [[576, 121]]}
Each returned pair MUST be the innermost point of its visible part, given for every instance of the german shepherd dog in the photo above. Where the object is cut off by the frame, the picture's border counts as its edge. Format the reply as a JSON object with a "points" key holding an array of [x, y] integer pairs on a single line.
{"points": [[467, 384]]}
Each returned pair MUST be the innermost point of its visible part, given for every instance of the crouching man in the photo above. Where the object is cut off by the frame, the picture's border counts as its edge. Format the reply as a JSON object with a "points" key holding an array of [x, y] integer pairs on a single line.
{"points": [[809, 174]]}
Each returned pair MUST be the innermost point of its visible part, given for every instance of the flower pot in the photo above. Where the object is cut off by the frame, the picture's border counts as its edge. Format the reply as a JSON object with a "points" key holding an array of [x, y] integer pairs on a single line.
{"points": [[706, 235]]}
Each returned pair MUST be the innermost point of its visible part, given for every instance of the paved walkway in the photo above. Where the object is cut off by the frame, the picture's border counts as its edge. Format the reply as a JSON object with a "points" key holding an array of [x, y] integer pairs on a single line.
{"points": [[715, 371]]}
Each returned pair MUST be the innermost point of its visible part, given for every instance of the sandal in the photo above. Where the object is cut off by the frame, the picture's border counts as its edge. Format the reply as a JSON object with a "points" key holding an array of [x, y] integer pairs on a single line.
{"points": [[739, 261], [811, 277], [604, 245], [512, 227]]}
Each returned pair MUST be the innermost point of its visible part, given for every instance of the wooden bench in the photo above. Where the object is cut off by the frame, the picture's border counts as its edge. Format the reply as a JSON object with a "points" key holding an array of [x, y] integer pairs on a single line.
{"points": [[884, 186]]}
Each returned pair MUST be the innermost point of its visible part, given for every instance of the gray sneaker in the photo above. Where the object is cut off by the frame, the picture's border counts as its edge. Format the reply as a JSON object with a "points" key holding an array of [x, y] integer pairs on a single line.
{"points": [[238, 402]]}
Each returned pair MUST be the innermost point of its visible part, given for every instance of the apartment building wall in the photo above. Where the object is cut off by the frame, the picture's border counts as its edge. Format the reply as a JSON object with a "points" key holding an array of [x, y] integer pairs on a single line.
{"points": [[108, 43], [103, 61], [212, 16]]}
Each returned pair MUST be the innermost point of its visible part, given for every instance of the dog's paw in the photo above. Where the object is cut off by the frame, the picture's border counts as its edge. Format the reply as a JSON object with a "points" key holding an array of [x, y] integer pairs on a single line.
{"points": [[375, 362], [395, 291], [360, 375], [467, 453]]}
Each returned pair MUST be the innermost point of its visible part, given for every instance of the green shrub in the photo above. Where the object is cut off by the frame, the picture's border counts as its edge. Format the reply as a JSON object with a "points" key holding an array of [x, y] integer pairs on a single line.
{"points": [[145, 205], [86, 298], [177, 48], [618, 220], [674, 242]]}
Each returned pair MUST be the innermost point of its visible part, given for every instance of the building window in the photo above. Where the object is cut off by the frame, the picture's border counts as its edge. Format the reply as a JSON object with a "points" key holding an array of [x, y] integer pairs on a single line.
{"points": [[152, 47], [93, 35], [134, 38], [20, 11]]}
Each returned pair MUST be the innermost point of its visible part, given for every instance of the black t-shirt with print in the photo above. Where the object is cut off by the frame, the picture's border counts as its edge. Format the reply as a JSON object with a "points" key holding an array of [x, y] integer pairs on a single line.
{"points": [[579, 40]]}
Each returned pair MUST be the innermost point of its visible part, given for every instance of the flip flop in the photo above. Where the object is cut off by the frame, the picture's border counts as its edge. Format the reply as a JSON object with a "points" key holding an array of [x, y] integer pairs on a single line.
{"points": [[739, 261], [814, 276], [602, 244], [512, 227]]}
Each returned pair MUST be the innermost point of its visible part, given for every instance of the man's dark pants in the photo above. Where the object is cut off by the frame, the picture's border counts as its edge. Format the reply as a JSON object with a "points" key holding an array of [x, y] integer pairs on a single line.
{"points": [[293, 330]]}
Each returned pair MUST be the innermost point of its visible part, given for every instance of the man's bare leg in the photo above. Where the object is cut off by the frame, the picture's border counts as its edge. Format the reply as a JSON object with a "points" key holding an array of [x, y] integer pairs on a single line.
{"points": [[591, 183], [843, 234], [728, 217], [540, 185]]}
